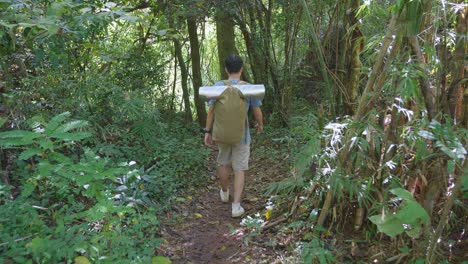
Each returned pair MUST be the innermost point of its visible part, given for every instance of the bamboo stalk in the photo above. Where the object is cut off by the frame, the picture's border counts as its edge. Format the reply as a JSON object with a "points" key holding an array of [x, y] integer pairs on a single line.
{"points": [[451, 195], [321, 57], [377, 69], [325, 208], [427, 92], [366, 99]]}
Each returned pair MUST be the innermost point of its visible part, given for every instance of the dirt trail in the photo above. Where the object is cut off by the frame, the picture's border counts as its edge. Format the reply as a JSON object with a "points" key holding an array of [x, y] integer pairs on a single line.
{"points": [[202, 229]]}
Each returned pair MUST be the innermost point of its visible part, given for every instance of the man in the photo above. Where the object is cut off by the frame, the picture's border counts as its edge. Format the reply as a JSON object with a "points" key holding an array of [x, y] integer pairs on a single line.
{"points": [[234, 157]]}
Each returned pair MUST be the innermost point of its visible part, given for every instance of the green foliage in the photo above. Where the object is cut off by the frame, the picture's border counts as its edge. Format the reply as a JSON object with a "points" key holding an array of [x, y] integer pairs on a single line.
{"points": [[74, 202], [105, 233], [446, 141], [254, 226], [409, 218], [52, 170], [305, 136], [315, 251]]}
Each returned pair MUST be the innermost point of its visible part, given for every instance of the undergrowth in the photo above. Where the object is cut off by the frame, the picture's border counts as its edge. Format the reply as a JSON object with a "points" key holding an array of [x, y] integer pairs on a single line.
{"points": [[376, 193], [70, 197]]}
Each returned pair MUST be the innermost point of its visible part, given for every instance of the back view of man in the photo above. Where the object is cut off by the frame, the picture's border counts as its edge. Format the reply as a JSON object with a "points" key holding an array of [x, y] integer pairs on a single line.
{"points": [[233, 156]]}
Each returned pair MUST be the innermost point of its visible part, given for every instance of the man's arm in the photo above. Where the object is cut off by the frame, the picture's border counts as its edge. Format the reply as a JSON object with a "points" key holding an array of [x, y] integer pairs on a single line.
{"points": [[209, 126], [257, 112]]}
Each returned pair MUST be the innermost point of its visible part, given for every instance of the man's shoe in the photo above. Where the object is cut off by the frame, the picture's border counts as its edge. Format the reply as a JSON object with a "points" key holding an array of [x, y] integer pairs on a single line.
{"points": [[224, 195], [237, 210]]}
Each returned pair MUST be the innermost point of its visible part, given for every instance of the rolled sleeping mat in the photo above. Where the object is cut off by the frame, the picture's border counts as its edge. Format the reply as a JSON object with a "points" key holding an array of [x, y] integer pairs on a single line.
{"points": [[249, 90]]}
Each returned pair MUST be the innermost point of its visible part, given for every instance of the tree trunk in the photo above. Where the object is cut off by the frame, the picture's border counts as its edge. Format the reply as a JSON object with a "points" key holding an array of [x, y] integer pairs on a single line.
{"points": [[183, 68], [225, 38], [144, 38], [184, 76], [196, 71], [257, 65], [173, 94]]}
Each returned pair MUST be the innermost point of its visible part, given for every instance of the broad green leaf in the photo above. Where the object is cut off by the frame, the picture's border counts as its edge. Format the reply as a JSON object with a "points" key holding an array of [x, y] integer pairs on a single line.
{"points": [[388, 224], [402, 193], [29, 153], [421, 261], [160, 260], [412, 212], [414, 231], [405, 249]]}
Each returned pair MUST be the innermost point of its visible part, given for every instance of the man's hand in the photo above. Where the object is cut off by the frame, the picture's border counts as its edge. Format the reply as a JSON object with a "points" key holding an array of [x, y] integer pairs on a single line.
{"points": [[208, 140], [259, 118], [259, 128]]}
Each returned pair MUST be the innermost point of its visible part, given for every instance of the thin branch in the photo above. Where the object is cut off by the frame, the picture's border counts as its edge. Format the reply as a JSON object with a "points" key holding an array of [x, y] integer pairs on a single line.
{"points": [[19, 239]]}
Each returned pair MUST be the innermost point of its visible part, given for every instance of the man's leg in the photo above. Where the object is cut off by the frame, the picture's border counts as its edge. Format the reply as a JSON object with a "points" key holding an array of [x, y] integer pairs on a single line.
{"points": [[223, 174], [240, 163], [238, 186], [224, 169]]}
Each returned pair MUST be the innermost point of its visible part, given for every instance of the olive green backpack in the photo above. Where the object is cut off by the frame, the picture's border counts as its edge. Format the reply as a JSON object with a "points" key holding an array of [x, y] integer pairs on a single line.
{"points": [[229, 115]]}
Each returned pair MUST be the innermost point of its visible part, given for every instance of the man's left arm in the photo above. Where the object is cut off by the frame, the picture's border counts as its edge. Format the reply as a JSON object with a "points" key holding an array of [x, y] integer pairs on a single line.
{"points": [[257, 112]]}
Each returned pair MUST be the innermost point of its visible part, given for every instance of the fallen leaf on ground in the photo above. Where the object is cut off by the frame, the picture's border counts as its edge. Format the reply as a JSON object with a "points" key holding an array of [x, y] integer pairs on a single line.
{"points": [[82, 260], [197, 215], [160, 260]]}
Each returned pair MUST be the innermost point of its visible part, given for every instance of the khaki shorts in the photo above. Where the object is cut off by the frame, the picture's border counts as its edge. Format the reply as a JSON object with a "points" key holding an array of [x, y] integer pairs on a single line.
{"points": [[237, 155]]}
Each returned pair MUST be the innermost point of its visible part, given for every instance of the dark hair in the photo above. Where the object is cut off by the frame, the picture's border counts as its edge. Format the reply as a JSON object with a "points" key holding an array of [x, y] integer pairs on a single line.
{"points": [[233, 63]]}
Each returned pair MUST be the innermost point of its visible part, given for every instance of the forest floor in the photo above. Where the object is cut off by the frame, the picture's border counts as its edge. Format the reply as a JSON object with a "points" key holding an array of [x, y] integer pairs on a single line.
{"points": [[201, 229]]}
